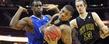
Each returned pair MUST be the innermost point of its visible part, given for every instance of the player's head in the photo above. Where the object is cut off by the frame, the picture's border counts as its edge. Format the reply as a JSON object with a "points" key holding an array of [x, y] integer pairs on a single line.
{"points": [[66, 12], [81, 6], [37, 7]]}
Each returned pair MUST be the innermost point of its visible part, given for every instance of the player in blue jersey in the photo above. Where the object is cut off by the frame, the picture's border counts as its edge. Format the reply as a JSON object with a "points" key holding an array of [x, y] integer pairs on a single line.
{"points": [[31, 24]]}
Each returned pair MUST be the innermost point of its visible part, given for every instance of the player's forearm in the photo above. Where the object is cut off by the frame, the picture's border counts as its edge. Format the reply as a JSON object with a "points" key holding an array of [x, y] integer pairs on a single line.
{"points": [[52, 21], [16, 17]]}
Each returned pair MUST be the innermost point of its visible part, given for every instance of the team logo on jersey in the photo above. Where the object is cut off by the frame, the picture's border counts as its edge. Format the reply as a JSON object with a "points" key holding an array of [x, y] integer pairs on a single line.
{"points": [[86, 31]]}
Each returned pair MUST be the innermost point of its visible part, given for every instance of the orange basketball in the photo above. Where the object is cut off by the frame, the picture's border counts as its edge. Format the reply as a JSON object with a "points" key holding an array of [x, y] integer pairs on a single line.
{"points": [[53, 31]]}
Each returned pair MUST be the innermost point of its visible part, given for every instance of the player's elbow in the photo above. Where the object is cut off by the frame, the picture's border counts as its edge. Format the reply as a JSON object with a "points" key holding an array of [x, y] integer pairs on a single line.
{"points": [[15, 27], [11, 25]]}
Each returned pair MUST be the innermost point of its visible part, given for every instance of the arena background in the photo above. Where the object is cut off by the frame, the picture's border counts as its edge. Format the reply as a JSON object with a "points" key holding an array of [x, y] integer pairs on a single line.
{"points": [[9, 7]]}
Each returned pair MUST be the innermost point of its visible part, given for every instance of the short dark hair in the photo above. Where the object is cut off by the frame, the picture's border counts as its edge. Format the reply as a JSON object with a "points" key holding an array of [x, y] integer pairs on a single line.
{"points": [[34, 1], [69, 8]]}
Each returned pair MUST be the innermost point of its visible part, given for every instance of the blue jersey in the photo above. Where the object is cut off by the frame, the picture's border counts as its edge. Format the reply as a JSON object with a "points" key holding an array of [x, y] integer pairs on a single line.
{"points": [[36, 37]]}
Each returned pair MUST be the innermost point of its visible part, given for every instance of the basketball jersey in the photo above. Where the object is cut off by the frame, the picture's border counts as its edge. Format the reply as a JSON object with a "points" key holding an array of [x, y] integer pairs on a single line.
{"points": [[36, 37], [87, 30]]}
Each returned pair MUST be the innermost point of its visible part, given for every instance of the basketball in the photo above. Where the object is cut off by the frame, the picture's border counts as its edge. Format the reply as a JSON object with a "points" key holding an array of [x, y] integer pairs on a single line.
{"points": [[53, 31]]}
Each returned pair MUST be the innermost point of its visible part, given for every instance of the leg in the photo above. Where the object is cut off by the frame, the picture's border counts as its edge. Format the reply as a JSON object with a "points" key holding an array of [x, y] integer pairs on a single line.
{"points": [[66, 34]]}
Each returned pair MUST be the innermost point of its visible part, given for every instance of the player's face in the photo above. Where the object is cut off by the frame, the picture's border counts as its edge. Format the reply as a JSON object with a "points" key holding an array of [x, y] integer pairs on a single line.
{"points": [[80, 6], [37, 7], [65, 14]]}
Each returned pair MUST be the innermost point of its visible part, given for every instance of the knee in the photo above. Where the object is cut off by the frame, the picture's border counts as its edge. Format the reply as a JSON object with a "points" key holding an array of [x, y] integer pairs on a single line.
{"points": [[66, 34], [65, 29]]}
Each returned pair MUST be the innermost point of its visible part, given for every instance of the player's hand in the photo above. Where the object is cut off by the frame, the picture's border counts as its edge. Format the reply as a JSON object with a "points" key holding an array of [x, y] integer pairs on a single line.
{"points": [[49, 40], [23, 9], [104, 32]]}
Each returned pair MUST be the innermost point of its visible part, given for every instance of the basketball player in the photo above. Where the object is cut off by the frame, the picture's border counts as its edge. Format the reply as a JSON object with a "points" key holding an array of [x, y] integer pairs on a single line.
{"points": [[88, 25], [31, 24], [61, 20]]}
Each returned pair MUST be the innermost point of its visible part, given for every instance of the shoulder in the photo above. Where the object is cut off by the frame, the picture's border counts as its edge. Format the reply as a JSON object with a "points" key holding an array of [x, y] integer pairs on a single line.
{"points": [[73, 23], [95, 15]]}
